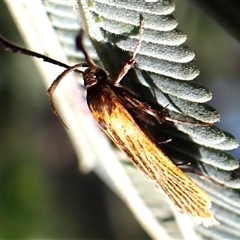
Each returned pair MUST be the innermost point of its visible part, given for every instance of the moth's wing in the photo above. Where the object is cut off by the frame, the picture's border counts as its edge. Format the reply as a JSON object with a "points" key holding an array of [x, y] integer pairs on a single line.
{"points": [[121, 127]]}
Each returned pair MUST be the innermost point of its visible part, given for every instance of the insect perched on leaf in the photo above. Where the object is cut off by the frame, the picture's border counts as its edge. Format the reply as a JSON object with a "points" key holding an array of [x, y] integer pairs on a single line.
{"points": [[121, 115]]}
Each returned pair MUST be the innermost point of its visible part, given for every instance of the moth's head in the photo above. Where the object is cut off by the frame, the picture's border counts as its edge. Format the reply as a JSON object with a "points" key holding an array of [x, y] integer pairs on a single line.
{"points": [[94, 76]]}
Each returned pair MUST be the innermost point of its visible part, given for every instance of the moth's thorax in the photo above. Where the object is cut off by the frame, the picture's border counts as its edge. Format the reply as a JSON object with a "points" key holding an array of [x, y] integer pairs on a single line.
{"points": [[101, 96]]}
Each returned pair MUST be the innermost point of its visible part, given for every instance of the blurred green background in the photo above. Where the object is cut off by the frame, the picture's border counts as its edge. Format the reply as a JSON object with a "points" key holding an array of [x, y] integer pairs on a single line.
{"points": [[42, 193]]}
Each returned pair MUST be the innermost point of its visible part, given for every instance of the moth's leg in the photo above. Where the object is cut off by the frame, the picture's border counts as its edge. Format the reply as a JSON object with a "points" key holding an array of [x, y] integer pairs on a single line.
{"points": [[143, 107], [130, 63]]}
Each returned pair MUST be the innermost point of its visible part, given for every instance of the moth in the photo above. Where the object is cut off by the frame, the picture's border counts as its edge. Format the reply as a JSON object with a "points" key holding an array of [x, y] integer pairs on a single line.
{"points": [[121, 115]]}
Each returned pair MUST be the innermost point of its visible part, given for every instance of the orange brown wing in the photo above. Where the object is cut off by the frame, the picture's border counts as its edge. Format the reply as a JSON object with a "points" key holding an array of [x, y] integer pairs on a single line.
{"points": [[120, 126]]}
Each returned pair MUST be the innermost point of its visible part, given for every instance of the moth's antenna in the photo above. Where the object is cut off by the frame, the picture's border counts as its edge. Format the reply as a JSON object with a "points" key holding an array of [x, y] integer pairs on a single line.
{"points": [[17, 49], [54, 85]]}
